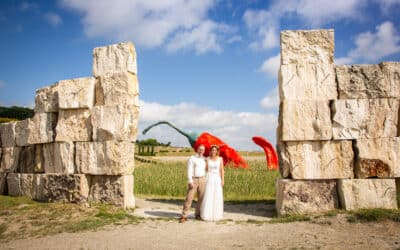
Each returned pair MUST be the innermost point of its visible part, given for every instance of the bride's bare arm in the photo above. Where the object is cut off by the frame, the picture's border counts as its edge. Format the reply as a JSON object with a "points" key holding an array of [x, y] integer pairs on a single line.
{"points": [[222, 172]]}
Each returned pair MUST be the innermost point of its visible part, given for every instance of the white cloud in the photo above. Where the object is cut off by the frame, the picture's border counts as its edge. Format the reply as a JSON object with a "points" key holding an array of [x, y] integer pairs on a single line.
{"points": [[235, 128], [266, 23], [24, 6], [388, 5], [151, 23], [234, 39], [371, 47], [202, 38], [53, 18], [271, 99], [271, 66]]}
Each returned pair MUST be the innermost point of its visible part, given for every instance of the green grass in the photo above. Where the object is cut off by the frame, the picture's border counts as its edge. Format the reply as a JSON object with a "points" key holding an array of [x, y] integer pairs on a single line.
{"points": [[374, 215], [21, 217], [169, 179]]}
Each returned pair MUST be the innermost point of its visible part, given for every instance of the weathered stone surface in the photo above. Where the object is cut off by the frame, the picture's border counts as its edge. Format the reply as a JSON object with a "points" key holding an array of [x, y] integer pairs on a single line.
{"points": [[105, 158], [316, 159], [307, 82], [31, 159], [367, 193], [76, 93], [25, 185], [305, 197], [362, 82], [58, 157], [305, 120], [7, 132], [307, 46], [377, 157], [65, 188], [39, 129], [116, 190], [9, 159], [114, 58], [3, 183], [74, 125], [307, 70], [49, 187], [117, 88], [398, 191], [365, 118], [46, 99], [122, 126], [391, 71]]}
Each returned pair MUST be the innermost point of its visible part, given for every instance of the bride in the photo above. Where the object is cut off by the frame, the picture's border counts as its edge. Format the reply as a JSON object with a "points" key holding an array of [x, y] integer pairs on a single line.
{"points": [[212, 207]]}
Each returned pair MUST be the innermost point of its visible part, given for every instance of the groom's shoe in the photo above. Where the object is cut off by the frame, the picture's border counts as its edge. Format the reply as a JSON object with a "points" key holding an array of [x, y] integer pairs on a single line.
{"points": [[182, 219]]}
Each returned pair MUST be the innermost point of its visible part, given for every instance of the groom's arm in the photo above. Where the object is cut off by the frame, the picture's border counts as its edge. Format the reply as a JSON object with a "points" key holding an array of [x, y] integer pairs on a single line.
{"points": [[190, 172]]}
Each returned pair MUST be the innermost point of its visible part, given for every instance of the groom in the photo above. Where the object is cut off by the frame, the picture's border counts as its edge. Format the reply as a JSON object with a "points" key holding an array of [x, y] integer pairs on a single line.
{"points": [[196, 171]]}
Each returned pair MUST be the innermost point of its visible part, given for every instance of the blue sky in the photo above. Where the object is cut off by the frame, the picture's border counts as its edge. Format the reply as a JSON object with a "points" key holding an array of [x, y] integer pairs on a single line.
{"points": [[205, 65]]}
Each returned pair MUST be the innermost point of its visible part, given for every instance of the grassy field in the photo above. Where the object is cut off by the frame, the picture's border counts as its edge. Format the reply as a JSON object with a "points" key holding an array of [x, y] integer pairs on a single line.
{"points": [[20, 217], [169, 179]]}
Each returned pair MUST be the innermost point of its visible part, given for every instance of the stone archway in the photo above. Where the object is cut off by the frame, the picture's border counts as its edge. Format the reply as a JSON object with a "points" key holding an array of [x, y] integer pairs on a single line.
{"points": [[79, 146]]}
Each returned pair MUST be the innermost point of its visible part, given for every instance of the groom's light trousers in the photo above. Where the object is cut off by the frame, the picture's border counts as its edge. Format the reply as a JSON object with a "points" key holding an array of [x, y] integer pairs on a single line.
{"points": [[199, 184]]}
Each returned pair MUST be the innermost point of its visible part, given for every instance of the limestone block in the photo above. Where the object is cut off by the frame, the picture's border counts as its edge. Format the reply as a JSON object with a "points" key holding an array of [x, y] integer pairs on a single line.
{"points": [[305, 120], [36, 130], [9, 159], [316, 159], [307, 69], [76, 93], [307, 46], [46, 99], [65, 187], [25, 185], [105, 158], [74, 125], [117, 88], [391, 71], [363, 82], [122, 126], [58, 157], [363, 118], [398, 191], [7, 132], [31, 159], [367, 193], [3, 183], [378, 157], [114, 58], [49, 187], [305, 197], [307, 82], [116, 190]]}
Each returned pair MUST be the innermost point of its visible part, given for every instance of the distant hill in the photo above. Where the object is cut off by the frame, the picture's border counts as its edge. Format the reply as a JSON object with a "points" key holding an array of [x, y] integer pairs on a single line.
{"points": [[17, 113]]}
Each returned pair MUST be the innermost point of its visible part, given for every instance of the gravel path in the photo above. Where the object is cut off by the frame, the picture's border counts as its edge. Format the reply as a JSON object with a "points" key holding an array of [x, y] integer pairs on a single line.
{"points": [[232, 233]]}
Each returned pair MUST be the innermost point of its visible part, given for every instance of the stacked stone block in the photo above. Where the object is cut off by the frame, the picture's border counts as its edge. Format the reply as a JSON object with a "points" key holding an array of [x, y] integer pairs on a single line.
{"points": [[339, 126], [79, 146]]}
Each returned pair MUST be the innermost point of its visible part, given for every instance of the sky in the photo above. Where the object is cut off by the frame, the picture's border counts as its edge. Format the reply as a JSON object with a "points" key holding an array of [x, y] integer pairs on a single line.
{"points": [[207, 65]]}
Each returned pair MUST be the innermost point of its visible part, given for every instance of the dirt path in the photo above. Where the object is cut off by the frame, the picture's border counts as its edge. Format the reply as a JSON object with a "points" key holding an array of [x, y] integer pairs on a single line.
{"points": [[205, 235], [232, 233]]}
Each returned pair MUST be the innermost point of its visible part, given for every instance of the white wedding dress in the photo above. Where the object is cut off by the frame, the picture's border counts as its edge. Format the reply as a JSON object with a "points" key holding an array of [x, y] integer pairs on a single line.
{"points": [[212, 207]]}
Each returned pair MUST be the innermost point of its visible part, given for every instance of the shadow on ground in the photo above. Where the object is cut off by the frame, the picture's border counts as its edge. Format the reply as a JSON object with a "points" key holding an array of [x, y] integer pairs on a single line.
{"points": [[262, 208]]}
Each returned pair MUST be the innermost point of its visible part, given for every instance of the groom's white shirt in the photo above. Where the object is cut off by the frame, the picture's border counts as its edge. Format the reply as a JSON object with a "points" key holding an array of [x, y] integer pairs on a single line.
{"points": [[196, 167]]}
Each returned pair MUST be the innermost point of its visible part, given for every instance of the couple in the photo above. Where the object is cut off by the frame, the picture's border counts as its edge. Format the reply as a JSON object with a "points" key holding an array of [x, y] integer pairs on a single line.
{"points": [[206, 178]]}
